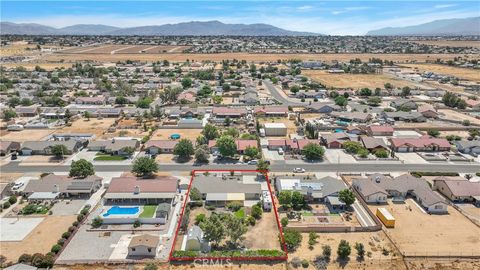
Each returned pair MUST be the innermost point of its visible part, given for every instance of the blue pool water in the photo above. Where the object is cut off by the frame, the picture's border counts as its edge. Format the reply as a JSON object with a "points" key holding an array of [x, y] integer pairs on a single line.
{"points": [[117, 210], [175, 136], [338, 130]]}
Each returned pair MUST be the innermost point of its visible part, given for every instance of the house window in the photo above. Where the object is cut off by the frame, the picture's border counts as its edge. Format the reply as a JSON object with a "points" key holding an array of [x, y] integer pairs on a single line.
{"points": [[133, 249], [149, 250], [438, 207]]}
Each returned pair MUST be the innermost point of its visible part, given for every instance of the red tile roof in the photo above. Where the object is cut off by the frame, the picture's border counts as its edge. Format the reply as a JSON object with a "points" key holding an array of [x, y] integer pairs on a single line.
{"points": [[381, 128], [423, 141]]}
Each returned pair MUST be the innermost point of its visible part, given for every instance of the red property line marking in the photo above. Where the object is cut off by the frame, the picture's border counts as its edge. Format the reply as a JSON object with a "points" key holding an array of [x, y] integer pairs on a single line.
{"points": [[266, 258]]}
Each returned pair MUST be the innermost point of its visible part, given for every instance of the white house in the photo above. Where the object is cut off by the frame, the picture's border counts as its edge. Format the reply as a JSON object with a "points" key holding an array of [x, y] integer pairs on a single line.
{"points": [[144, 245]]}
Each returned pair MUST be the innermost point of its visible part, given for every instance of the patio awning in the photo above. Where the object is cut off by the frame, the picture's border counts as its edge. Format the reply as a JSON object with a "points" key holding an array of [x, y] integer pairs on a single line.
{"points": [[332, 200], [44, 196], [217, 196], [236, 197]]}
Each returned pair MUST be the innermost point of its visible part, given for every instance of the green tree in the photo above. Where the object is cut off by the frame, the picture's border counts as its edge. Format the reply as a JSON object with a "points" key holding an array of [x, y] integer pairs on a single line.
{"points": [[313, 151], [251, 152], [9, 114], [284, 222], [341, 101], [343, 250], [217, 99], [293, 239], [81, 168], [294, 89], [347, 196], [433, 132], [352, 147], [365, 92], [374, 101], [184, 149], [186, 82], [405, 91], [326, 252], [263, 165], [235, 228], [363, 153], [150, 266], [227, 146], [210, 131], [213, 229], [201, 140], [202, 154], [144, 166], [381, 153], [298, 201], [59, 150], [195, 194], [97, 222], [312, 239], [285, 198], [360, 251], [232, 132]]}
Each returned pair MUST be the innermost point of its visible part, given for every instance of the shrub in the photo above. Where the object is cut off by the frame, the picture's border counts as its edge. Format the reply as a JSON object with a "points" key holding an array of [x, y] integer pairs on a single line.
{"points": [[284, 221], [80, 217], [296, 262], [257, 211], [211, 207], [56, 248], [71, 229], [84, 211], [25, 258], [12, 199], [360, 250], [312, 239], [97, 222], [305, 263], [150, 266], [66, 235], [61, 241], [292, 239], [6, 205], [137, 223], [326, 251], [234, 206], [200, 218], [250, 221], [343, 250], [75, 223]]}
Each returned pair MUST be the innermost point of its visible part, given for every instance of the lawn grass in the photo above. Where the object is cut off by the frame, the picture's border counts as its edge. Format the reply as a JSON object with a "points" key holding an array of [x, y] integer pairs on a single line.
{"points": [[240, 213], [109, 158], [307, 214], [148, 211]]}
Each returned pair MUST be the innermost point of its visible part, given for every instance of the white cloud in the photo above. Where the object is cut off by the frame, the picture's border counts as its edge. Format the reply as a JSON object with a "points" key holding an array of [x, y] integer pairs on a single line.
{"points": [[444, 6], [304, 8]]}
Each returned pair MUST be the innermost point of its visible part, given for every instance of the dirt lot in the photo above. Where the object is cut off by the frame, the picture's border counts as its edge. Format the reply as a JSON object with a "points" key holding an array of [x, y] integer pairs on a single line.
{"points": [[94, 126], [9, 177], [16, 49], [291, 128], [451, 114], [164, 134], [451, 43], [31, 66], [125, 49], [26, 135], [374, 242], [464, 73], [264, 234], [445, 264], [186, 266], [355, 81], [41, 239], [180, 57], [135, 133], [418, 233]]}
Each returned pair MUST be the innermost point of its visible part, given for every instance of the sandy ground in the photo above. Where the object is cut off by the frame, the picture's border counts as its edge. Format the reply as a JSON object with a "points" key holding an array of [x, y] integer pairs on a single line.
{"points": [[94, 126], [451, 114], [26, 135], [464, 73], [451, 43], [355, 81], [31, 66], [17, 49], [126, 49], [135, 133], [180, 57], [372, 241], [418, 233], [9, 177], [264, 235], [164, 134], [291, 128], [41, 239], [421, 264]]}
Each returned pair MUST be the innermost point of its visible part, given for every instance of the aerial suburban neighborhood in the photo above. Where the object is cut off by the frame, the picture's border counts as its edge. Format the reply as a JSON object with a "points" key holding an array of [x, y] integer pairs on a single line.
{"points": [[206, 145]]}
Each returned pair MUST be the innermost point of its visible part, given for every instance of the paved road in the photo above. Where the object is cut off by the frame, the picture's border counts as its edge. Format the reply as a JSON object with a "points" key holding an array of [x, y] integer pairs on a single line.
{"points": [[278, 166], [281, 98]]}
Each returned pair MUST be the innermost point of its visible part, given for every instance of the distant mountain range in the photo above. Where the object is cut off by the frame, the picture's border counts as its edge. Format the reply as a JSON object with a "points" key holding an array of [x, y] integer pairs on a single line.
{"points": [[209, 28], [449, 27]]}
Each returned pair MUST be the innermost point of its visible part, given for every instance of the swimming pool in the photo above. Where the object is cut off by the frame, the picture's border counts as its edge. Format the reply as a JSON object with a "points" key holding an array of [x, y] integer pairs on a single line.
{"points": [[117, 210]]}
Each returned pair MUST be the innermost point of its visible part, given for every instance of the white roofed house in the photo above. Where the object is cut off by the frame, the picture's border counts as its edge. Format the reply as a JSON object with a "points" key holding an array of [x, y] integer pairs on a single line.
{"points": [[144, 245]]}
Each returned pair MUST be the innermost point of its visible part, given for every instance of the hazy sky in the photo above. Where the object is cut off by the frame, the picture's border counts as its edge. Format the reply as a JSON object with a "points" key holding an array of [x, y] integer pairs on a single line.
{"points": [[327, 17]]}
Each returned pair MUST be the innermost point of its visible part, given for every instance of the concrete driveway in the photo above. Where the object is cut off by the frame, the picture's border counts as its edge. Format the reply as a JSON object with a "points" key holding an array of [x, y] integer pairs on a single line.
{"points": [[272, 155], [339, 156], [411, 158]]}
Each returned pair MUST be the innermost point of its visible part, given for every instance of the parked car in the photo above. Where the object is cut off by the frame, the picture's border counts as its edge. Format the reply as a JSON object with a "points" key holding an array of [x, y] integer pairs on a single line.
{"points": [[253, 162], [280, 151], [18, 185], [298, 170]]}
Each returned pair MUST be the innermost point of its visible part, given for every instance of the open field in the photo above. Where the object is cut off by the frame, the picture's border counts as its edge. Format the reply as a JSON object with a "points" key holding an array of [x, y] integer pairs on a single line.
{"points": [[355, 81], [25, 135], [450, 43], [418, 233], [464, 73], [31, 66], [290, 124], [164, 134], [94, 126], [264, 232], [451, 114], [16, 49], [177, 57], [41, 239]]}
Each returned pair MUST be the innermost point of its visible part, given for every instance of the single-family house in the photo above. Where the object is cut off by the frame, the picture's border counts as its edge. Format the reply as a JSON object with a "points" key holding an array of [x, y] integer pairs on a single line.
{"points": [[271, 111], [114, 146], [144, 245], [160, 146], [7, 147], [322, 107], [424, 143], [428, 111], [403, 103], [373, 144], [468, 147], [45, 147], [97, 100], [223, 112], [377, 130], [458, 189], [334, 140]]}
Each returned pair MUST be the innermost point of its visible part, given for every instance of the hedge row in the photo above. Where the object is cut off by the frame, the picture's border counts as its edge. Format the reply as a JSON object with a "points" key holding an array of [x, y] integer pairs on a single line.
{"points": [[420, 174]]}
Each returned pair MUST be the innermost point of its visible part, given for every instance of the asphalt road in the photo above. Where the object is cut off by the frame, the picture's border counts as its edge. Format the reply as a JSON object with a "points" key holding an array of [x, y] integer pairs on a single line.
{"points": [[276, 94], [276, 167]]}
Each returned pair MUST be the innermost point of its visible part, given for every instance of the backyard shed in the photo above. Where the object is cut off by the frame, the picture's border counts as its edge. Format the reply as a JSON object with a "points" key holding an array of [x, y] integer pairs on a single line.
{"points": [[387, 219], [275, 129]]}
